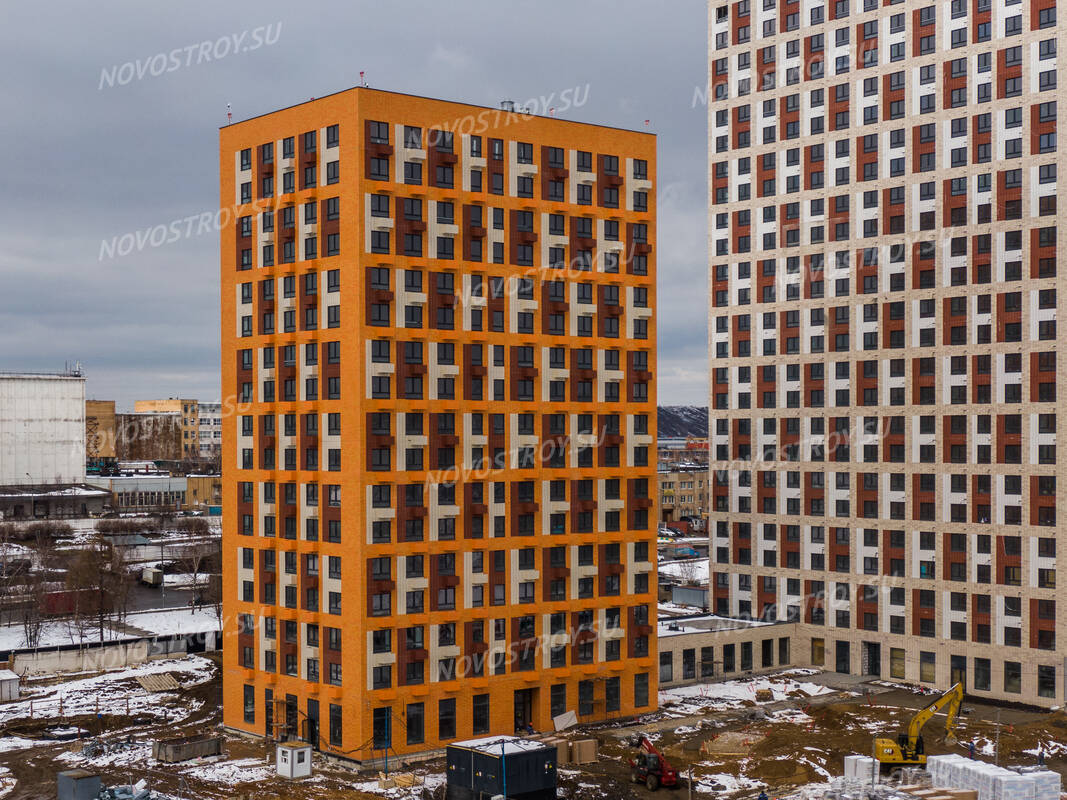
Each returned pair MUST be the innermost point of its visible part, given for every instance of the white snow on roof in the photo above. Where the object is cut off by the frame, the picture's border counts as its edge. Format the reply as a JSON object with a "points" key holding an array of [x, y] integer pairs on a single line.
{"points": [[508, 745]]}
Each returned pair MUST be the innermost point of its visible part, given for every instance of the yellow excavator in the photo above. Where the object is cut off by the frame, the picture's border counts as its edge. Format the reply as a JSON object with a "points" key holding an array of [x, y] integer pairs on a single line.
{"points": [[908, 750]]}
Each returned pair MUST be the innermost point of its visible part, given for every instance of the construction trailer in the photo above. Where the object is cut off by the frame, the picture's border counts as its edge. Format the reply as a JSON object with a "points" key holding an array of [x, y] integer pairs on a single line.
{"points": [[512, 767]]}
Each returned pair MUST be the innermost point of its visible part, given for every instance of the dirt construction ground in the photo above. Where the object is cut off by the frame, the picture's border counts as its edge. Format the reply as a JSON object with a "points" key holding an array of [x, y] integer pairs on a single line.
{"points": [[734, 748]]}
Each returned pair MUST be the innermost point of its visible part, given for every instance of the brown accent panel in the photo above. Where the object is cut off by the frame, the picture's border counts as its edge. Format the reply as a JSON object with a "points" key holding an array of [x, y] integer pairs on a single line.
{"points": [[375, 441], [471, 231], [1005, 317], [1036, 7], [950, 320], [1037, 252], [739, 335], [812, 492], [763, 385], [977, 379], [834, 328], [949, 558], [738, 438], [918, 30], [863, 45], [549, 174], [1003, 559], [497, 577], [834, 106], [787, 442], [889, 553], [1004, 72], [764, 596], [1039, 501], [739, 126], [811, 601], [949, 83], [978, 137], [889, 96], [1039, 624], [374, 296], [949, 203], [918, 613], [977, 617], [919, 148], [379, 586], [919, 381], [473, 507], [474, 651]]}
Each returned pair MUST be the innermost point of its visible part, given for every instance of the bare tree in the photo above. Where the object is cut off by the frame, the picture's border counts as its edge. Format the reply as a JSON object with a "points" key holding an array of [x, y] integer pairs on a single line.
{"points": [[124, 578], [90, 579], [36, 584], [687, 572], [214, 587]]}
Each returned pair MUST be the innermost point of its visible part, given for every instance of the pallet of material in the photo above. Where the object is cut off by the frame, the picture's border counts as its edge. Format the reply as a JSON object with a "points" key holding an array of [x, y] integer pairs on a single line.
{"points": [[563, 749], [160, 682], [584, 751]]}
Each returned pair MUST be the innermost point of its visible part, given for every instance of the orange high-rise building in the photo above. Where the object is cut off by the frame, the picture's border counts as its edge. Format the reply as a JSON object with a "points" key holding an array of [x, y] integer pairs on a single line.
{"points": [[438, 338]]}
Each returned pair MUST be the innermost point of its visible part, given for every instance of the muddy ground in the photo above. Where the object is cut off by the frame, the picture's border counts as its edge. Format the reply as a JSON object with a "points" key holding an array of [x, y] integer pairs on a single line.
{"points": [[732, 752]]}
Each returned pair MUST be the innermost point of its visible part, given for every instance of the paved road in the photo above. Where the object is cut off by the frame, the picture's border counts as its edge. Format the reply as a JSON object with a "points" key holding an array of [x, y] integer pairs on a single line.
{"points": [[147, 598]]}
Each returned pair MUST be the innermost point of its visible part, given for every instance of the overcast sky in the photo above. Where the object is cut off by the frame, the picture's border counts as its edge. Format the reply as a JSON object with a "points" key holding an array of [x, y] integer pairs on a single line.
{"points": [[93, 152]]}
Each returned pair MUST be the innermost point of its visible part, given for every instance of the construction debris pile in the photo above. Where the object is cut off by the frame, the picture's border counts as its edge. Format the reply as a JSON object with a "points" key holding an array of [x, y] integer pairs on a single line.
{"points": [[992, 782]]}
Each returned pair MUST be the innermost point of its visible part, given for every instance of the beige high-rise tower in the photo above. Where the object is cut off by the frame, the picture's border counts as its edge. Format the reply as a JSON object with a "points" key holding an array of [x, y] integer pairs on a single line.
{"points": [[884, 284]]}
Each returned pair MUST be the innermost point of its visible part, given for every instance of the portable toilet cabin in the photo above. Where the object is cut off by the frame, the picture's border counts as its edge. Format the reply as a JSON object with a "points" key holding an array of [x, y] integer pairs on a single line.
{"points": [[506, 766]]}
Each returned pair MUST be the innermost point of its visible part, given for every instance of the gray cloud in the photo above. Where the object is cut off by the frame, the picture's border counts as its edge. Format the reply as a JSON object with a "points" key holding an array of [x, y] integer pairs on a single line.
{"points": [[86, 164]]}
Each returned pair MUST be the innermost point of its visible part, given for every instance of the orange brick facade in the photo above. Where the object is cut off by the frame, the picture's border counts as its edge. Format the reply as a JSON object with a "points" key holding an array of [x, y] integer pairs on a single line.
{"points": [[438, 476]]}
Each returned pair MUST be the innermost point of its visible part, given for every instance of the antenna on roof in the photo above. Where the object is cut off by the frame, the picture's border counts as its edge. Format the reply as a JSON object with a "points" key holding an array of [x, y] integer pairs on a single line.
{"points": [[362, 78], [646, 122], [229, 114]]}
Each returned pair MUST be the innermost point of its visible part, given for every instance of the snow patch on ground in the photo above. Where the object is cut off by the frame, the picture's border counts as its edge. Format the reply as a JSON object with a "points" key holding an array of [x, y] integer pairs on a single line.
{"points": [[178, 620], [10, 743], [7, 783], [115, 693], [431, 781], [138, 754], [685, 700], [232, 773], [725, 783]]}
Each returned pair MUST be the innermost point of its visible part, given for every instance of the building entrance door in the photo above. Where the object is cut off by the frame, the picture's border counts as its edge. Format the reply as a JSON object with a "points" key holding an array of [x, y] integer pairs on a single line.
{"points": [[872, 658], [524, 708]]}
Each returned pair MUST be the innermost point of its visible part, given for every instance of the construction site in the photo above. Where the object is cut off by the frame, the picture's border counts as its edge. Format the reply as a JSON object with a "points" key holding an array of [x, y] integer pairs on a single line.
{"points": [[153, 731]]}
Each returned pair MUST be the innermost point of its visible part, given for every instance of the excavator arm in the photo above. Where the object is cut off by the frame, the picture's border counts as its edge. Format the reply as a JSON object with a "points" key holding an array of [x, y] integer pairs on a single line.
{"points": [[950, 699]]}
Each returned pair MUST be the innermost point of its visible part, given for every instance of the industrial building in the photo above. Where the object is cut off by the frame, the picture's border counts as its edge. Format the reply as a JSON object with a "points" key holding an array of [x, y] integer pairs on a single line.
{"points": [[42, 446], [439, 484], [884, 351]]}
